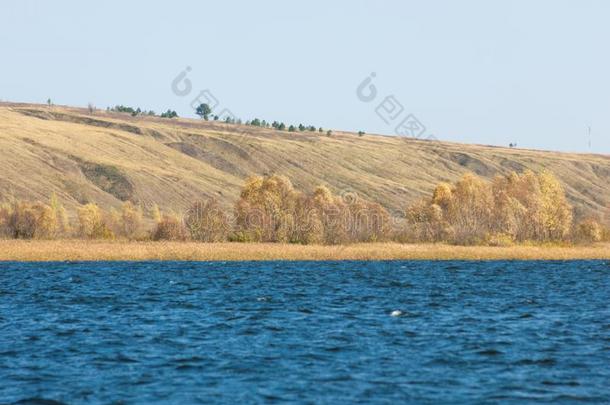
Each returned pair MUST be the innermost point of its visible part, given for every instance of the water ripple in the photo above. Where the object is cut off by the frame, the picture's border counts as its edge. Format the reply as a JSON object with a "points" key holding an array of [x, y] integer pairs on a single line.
{"points": [[173, 332]]}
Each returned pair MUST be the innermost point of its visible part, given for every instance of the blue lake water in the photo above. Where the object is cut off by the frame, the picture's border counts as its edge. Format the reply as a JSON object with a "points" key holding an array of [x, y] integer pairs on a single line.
{"points": [[305, 332]]}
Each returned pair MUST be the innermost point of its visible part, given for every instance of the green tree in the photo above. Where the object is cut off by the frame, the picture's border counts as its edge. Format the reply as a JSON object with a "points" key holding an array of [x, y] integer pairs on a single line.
{"points": [[203, 111], [169, 114]]}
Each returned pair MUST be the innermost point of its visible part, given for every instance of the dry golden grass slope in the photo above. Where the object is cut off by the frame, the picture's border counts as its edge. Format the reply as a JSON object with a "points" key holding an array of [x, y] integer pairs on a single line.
{"points": [[109, 158]]}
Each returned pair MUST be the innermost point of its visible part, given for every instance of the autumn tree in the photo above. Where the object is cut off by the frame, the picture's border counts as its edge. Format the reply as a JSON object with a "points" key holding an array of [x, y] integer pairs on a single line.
{"points": [[169, 228], [128, 223], [60, 215], [588, 231], [206, 221], [516, 207], [265, 210], [93, 223]]}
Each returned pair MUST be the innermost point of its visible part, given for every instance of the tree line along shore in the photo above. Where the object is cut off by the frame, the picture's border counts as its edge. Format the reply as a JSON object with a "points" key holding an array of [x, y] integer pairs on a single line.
{"points": [[515, 209]]}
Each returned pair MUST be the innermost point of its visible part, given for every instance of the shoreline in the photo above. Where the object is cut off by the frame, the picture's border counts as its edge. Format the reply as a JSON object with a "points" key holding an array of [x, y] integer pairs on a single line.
{"points": [[83, 250]]}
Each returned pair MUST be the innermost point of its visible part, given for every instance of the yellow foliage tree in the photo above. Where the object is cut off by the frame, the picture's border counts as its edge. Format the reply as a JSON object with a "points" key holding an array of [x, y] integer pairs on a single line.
{"points": [[131, 221], [93, 223], [265, 211], [589, 231], [516, 207], [171, 228], [61, 217], [556, 212], [30, 221], [207, 222], [6, 211]]}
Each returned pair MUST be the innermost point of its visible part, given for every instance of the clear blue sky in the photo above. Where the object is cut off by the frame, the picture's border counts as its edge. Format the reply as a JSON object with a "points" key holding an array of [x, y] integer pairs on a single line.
{"points": [[492, 72]]}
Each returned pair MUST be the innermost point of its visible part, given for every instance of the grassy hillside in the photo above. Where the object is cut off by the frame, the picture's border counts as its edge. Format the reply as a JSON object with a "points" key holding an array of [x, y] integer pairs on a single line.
{"points": [[110, 157]]}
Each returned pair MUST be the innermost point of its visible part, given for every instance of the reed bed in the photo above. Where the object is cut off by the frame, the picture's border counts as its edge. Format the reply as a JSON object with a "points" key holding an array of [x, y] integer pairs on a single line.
{"points": [[95, 250]]}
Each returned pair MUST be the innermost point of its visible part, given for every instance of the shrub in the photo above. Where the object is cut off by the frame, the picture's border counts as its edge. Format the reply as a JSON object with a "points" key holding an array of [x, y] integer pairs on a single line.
{"points": [[169, 228], [155, 213], [350, 220], [61, 217], [371, 222], [265, 210], [556, 212], [207, 222], [531, 206], [333, 215], [457, 214], [124, 109], [517, 207], [309, 228], [469, 209], [169, 114], [130, 221], [426, 223], [25, 220], [589, 231], [5, 214], [21, 222], [93, 223]]}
